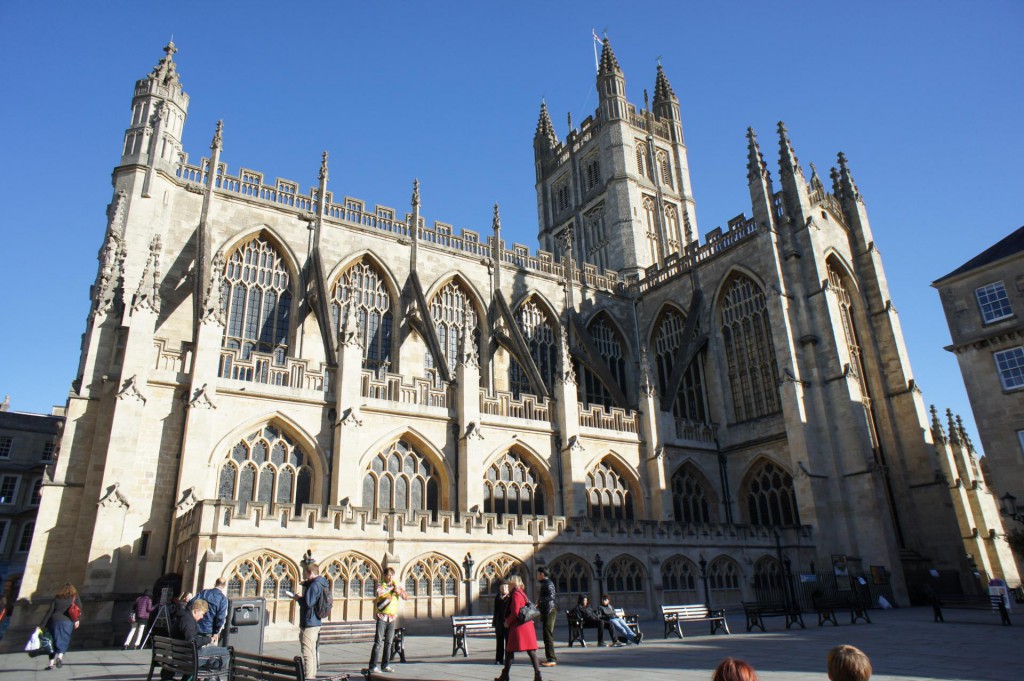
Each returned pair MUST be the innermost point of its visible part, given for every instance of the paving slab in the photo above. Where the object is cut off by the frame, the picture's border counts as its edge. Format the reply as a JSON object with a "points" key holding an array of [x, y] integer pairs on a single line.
{"points": [[903, 644]]}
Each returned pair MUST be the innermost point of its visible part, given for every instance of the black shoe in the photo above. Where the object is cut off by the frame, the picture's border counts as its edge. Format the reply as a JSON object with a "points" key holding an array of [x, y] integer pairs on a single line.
{"points": [[639, 638]]}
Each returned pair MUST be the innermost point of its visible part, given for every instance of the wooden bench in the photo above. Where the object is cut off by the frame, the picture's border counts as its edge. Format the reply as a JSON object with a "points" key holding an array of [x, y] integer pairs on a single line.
{"points": [[253, 667], [578, 624], [993, 603], [675, 615], [464, 626], [360, 631], [827, 607], [756, 612], [183, 657]]}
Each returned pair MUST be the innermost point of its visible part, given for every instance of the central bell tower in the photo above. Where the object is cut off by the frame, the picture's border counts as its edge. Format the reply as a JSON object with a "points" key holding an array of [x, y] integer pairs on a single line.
{"points": [[618, 188]]}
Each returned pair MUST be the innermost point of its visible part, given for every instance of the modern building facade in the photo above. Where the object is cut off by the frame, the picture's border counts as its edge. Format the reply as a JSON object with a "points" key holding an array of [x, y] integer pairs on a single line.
{"points": [[28, 444], [268, 370], [984, 304]]}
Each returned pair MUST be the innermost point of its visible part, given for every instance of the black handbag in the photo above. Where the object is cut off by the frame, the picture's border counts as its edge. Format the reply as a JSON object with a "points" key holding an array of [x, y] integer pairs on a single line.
{"points": [[528, 612]]}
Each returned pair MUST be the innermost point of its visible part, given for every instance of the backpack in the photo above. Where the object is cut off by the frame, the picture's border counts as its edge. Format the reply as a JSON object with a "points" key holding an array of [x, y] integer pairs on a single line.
{"points": [[324, 603]]}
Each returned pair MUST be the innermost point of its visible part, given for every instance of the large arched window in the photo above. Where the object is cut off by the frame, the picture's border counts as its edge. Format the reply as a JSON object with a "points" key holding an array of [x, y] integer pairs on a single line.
{"points": [[679, 580], [665, 168], [771, 501], [451, 309], [491, 574], [353, 579], [724, 582], [364, 285], [513, 486], [654, 241], [624, 582], [258, 302], [668, 336], [749, 350], [690, 503], [608, 342], [266, 467], [432, 585], [401, 479], [541, 336], [673, 236], [571, 576], [608, 495], [266, 575]]}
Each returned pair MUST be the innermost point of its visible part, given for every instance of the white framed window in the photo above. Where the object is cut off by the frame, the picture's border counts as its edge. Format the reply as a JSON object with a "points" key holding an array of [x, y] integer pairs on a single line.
{"points": [[9, 489], [4, 525], [6, 445], [993, 302], [49, 449], [26, 536], [1010, 364]]}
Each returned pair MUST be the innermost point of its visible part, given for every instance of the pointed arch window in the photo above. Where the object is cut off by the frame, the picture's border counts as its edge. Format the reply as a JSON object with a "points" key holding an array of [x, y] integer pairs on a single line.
{"points": [[771, 500], [257, 303], [268, 576], [749, 350], [724, 581], [266, 467], [571, 576], [609, 345], [539, 331], [353, 579], [491, 575], [608, 494], [769, 583], [689, 402], [673, 236], [364, 285], [432, 585], [451, 309], [654, 242], [690, 503], [838, 288], [399, 478], [513, 486], [665, 168], [641, 159], [679, 580]]}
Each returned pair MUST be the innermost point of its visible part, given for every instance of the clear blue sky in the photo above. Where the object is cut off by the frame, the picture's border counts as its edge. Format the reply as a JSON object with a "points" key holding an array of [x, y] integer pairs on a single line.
{"points": [[925, 98]]}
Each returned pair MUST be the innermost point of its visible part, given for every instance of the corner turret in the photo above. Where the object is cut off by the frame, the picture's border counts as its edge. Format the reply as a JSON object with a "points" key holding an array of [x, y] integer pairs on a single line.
{"points": [[159, 109], [611, 85]]}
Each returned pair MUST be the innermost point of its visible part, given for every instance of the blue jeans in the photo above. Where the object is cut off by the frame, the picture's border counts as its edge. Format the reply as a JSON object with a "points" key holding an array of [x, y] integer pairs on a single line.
{"points": [[385, 634], [620, 628]]}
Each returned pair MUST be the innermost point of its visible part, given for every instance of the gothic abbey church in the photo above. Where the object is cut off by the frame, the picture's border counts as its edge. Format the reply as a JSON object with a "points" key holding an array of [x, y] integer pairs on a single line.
{"points": [[268, 370]]}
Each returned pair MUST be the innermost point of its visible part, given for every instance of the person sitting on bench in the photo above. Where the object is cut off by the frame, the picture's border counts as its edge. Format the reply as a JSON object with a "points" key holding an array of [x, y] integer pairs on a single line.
{"points": [[591, 617], [619, 627]]}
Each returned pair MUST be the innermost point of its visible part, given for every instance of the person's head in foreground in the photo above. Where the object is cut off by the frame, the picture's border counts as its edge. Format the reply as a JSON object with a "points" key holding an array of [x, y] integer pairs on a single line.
{"points": [[731, 669], [846, 663]]}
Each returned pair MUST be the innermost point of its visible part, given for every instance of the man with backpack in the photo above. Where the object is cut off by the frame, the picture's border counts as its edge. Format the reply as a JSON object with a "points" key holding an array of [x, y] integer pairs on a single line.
{"points": [[314, 605]]}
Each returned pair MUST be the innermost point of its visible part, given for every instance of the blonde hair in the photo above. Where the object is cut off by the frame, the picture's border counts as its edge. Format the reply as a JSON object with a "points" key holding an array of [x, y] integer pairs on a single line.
{"points": [[67, 591], [199, 605], [847, 663], [515, 581]]}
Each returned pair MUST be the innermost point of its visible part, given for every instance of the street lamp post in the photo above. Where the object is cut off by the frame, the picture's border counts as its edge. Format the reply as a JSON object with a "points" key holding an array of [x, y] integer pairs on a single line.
{"points": [[598, 565], [1009, 509], [704, 578], [467, 565]]}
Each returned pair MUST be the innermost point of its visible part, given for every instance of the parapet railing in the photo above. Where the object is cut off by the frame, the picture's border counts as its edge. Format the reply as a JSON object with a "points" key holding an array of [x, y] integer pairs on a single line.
{"points": [[695, 431], [390, 387], [260, 367], [596, 416], [179, 361], [505, 404]]}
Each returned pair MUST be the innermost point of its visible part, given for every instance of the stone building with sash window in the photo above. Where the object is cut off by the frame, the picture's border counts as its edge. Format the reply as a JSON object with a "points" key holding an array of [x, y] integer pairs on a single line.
{"points": [[270, 368]]}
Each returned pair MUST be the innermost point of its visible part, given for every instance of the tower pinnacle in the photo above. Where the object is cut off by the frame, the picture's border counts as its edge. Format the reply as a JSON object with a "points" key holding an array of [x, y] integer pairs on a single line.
{"points": [[846, 183], [662, 89], [609, 64], [166, 71], [788, 162], [756, 167], [545, 137]]}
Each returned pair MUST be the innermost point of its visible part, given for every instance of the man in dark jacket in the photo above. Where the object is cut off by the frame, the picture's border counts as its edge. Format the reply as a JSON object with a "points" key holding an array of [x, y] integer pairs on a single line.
{"points": [[548, 615], [183, 627], [309, 622]]}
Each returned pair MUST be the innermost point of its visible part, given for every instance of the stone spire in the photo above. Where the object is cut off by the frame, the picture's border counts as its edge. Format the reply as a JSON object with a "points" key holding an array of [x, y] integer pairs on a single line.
{"points": [[788, 162], [414, 224], [666, 104], [964, 437], [937, 431], [545, 139], [757, 169], [166, 71], [609, 64], [497, 247], [954, 432], [846, 184], [323, 168], [611, 86], [816, 184], [759, 182]]}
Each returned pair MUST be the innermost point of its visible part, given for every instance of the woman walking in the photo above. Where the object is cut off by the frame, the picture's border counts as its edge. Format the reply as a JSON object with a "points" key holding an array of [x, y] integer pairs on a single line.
{"points": [[501, 601], [139, 617], [61, 620], [522, 636]]}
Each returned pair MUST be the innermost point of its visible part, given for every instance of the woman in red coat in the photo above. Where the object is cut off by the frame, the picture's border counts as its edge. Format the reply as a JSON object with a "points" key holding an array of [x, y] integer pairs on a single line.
{"points": [[522, 637]]}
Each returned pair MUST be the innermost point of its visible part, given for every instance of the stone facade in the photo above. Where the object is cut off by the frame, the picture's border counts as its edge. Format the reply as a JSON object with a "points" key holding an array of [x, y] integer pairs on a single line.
{"points": [[268, 371]]}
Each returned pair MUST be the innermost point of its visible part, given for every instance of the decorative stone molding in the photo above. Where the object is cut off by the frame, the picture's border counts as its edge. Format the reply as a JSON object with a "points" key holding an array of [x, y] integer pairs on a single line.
{"points": [[213, 303], [568, 371], [647, 388], [574, 445], [147, 296], [201, 399], [114, 498], [351, 417], [188, 500], [130, 388], [467, 348], [349, 336], [473, 431]]}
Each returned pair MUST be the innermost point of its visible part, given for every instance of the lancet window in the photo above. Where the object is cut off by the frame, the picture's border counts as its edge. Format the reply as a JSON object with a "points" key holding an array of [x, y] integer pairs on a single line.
{"points": [[641, 159], [571, 576], [608, 495], [654, 241], [771, 500], [541, 337], [266, 467], [690, 502], [665, 168], [679, 580], [266, 575], [401, 479], [673, 236], [258, 301], [689, 402], [513, 486], [451, 309], [353, 579], [749, 350], [842, 295], [432, 585], [364, 285]]}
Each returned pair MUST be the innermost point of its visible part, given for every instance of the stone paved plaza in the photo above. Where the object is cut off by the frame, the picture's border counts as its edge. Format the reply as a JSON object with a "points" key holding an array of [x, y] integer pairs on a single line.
{"points": [[903, 644]]}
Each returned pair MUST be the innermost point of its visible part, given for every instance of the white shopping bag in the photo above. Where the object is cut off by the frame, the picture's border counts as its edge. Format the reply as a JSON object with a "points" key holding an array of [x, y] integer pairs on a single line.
{"points": [[884, 604], [33, 643]]}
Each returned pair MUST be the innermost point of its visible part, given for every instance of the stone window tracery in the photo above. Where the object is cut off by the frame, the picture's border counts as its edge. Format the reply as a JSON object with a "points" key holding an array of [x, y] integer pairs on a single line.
{"points": [[769, 583], [641, 159], [451, 309], [679, 580], [257, 303], [353, 579], [724, 581], [539, 331], [689, 402], [771, 500], [608, 494], [837, 287], [512, 485], [266, 467], [666, 168], [673, 237], [571, 576], [653, 231], [590, 389], [364, 285], [491, 574], [749, 350], [624, 582], [401, 479], [432, 585], [266, 575], [690, 502]]}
